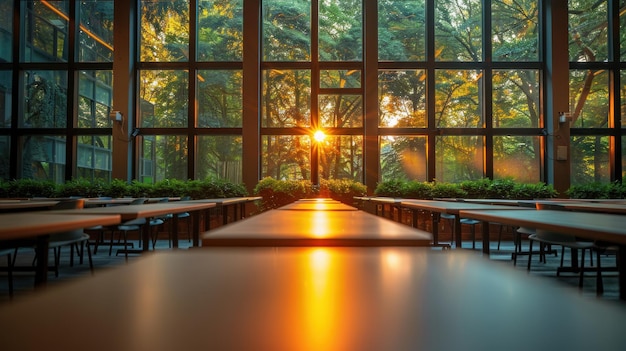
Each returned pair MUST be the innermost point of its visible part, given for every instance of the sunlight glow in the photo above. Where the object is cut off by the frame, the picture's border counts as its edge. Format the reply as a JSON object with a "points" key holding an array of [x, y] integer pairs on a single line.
{"points": [[319, 136]]}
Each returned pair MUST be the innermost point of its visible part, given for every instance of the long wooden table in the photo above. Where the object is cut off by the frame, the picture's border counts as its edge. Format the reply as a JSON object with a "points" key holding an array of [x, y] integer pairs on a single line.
{"points": [[39, 225], [436, 208], [26, 205], [595, 226], [316, 228], [236, 204], [318, 206], [131, 212], [327, 299]]}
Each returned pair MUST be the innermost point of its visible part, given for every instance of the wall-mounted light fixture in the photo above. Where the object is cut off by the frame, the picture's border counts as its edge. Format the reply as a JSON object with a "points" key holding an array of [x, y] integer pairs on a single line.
{"points": [[564, 117], [135, 132]]}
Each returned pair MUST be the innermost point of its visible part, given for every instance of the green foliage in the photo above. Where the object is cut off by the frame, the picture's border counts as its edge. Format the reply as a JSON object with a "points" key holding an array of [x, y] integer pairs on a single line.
{"points": [[343, 190], [116, 188], [80, 188], [277, 193], [391, 188], [597, 190], [471, 189], [447, 190], [213, 189], [31, 188]]}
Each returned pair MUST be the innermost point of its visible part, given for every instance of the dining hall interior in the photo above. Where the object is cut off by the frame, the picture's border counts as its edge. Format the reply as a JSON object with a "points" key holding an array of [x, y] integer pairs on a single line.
{"points": [[241, 174]]}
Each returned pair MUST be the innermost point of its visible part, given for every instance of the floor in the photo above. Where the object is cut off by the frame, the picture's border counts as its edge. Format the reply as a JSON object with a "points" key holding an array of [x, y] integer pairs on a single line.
{"points": [[23, 281]]}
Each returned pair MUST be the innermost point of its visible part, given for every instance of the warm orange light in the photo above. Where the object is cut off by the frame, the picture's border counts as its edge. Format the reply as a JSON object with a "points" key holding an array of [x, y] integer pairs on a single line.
{"points": [[319, 136]]}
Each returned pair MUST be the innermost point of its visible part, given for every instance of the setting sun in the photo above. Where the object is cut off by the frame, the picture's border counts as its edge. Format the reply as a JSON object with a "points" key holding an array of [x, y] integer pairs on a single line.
{"points": [[319, 136]]}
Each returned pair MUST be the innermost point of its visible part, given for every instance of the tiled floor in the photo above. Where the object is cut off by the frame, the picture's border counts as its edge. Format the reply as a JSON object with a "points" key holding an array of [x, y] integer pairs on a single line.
{"points": [[23, 281]]}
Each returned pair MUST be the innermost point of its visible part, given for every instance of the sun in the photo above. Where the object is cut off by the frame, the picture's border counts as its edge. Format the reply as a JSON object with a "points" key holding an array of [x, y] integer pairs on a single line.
{"points": [[319, 136]]}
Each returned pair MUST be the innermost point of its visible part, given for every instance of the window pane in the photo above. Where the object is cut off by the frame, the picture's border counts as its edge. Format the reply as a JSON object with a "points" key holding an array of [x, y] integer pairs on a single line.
{"points": [[46, 23], [588, 30], [458, 30], [341, 110], [162, 157], [589, 96], [164, 95], [515, 98], [458, 158], [6, 30], [5, 99], [340, 78], [517, 157], [220, 30], [341, 157], [286, 157], [93, 159], [42, 157], [401, 30], [44, 99], [219, 157], [95, 98], [402, 98], [219, 99], [340, 30], [515, 34], [286, 30], [95, 37], [590, 159], [286, 100], [5, 155], [458, 100], [623, 98], [403, 158], [622, 31], [164, 29]]}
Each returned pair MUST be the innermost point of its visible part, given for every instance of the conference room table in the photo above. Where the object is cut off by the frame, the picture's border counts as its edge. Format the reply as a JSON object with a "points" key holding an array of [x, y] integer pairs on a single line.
{"points": [[131, 212], [229, 205], [7, 205], [316, 228], [589, 225], [436, 208], [36, 226], [331, 299], [318, 206]]}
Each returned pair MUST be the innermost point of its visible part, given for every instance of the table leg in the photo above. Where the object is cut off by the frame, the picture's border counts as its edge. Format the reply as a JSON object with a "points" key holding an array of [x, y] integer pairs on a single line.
{"points": [[195, 226], [621, 264], [175, 231], [41, 252], [458, 231], [435, 219], [146, 235], [486, 239]]}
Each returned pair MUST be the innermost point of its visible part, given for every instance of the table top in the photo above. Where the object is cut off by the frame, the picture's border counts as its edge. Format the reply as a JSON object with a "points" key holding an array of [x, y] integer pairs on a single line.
{"points": [[10, 205], [318, 206], [453, 207], [585, 206], [590, 225], [30, 224], [328, 299], [228, 200], [316, 228], [142, 211]]}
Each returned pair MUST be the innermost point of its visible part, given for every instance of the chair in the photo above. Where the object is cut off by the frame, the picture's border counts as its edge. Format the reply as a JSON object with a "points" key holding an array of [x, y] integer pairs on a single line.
{"points": [[545, 237], [467, 221], [76, 239], [132, 225]]}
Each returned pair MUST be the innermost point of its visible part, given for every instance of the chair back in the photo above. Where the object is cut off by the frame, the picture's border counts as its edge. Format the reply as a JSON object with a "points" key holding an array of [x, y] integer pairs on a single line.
{"points": [[68, 205], [139, 201]]}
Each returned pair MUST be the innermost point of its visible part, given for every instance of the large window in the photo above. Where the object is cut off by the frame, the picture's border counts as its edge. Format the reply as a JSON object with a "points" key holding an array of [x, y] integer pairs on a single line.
{"points": [[403, 89]]}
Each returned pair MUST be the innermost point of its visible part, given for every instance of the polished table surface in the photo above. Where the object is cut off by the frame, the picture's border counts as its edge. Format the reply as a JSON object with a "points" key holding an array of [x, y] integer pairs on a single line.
{"points": [[25, 205], [316, 228], [318, 206], [31, 224], [451, 207], [344, 299]]}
